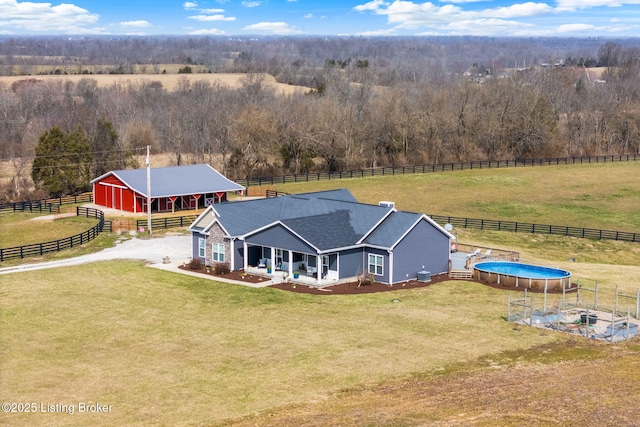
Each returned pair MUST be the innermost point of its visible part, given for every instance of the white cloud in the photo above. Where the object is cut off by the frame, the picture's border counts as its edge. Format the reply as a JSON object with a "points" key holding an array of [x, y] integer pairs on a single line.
{"points": [[587, 4], [480, 27], [208, 18], [210, 32], [140, 23], [211, 10], [372, 5], [271, 27], [519, 10], [575, 28], [247, 3], [190, 5], [453, 19], [308, 16], [410, 15], [378, 33], [43, 17]]}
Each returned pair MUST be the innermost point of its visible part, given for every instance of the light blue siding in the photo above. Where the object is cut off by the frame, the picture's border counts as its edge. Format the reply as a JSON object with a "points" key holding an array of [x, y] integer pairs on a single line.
{"points": [[279, 237], [194, 245], [384, 278], [238, 256], [424, 248], [351, 263]]}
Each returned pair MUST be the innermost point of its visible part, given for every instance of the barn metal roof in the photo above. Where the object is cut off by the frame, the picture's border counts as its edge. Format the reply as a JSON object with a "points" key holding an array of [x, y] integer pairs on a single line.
{"points": [[175, 180]]}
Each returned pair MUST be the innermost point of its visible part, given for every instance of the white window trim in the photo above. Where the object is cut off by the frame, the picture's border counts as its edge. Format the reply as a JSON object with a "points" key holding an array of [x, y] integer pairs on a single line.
{"points": [[218, 249], [375, 265], [202, 244]]}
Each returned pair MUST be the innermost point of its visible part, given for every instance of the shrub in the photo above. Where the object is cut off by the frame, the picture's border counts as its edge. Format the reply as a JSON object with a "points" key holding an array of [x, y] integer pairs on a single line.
{"points": [[195, 264], [365, 279], [221, 268]]}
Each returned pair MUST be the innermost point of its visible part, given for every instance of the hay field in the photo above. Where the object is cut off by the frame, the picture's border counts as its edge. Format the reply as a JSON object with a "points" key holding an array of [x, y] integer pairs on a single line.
{"points": [[169, 81]]}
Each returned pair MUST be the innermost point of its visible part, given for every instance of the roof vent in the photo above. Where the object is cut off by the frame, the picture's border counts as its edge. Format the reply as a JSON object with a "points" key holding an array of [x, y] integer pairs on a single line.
{"points": [[386, 204]]}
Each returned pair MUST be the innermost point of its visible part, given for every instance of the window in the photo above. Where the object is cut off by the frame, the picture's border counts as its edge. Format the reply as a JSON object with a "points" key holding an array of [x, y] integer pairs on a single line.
{"points": [[201, 246], [218, 252], [375, 264]]}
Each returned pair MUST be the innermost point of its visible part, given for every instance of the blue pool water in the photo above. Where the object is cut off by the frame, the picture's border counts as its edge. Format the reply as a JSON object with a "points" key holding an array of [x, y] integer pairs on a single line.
{"points": [[522, 270]]}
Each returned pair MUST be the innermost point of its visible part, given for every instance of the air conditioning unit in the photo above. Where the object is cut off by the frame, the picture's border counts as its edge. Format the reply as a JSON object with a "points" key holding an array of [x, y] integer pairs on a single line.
{"points": [[424, 276], [386, 204]]}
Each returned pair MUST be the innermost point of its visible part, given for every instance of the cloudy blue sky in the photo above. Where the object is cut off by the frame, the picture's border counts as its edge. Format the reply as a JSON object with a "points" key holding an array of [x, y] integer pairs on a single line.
{"points": [[561, 18]]}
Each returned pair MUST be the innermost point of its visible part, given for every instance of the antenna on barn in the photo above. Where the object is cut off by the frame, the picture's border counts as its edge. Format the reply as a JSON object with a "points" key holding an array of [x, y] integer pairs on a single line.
{"points": [[149, 188]]}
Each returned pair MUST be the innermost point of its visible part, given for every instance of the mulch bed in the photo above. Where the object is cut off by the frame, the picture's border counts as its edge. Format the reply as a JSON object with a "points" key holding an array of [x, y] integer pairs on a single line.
{"points": [[232, 275], [350, 288]]}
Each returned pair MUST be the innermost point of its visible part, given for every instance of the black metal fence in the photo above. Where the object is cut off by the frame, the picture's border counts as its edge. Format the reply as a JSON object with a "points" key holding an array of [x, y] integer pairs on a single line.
{"points": [[440, 167], [45, 205], [38, 249], [523, 227]]}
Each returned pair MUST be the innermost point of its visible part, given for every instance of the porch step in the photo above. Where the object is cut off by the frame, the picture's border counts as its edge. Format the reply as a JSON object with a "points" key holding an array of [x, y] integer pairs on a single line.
{"points": [[461, 274]]}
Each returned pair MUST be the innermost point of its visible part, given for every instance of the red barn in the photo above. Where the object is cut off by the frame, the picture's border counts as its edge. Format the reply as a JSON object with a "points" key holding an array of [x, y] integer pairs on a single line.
{"points": [[175, 187]]}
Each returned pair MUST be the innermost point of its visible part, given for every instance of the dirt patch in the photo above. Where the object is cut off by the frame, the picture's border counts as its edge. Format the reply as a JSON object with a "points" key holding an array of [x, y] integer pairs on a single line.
{"points": [[561, 392]]}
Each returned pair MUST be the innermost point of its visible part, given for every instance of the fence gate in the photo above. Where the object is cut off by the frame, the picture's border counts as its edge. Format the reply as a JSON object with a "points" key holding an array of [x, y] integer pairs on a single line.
{"points": [[519, 307]]}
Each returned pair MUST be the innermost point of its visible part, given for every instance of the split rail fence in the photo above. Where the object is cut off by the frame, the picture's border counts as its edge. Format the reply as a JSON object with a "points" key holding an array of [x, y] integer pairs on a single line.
{"points": [[440, 167]]}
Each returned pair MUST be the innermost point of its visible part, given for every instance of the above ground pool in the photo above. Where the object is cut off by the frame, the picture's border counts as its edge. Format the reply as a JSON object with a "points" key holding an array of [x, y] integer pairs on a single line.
{"points": [[522, 275]]}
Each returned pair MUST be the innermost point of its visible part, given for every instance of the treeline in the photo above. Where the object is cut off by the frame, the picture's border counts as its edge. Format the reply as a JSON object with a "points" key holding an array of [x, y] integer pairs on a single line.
{"points": [[346, 119], [296, 60]]}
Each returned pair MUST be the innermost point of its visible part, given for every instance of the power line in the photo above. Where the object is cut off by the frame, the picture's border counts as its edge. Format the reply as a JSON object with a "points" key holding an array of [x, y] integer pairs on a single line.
{"points": [[58, 156]]}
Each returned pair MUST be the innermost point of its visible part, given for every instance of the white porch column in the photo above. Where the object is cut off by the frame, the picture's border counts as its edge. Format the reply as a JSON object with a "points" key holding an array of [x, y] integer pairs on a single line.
{"points": [[390, 267], [245, 251], [290, 264], [273, 260], [319, 268], [232, 243]]}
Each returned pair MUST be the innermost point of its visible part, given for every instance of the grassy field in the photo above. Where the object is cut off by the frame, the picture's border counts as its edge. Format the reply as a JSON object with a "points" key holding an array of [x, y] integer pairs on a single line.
{"points": [[169, 81], [167, 349], [605, 196], [18, 229], [163, 348]]}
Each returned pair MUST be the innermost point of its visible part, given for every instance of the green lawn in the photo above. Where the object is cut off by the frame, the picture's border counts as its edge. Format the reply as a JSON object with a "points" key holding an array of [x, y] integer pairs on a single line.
{"points": [[17, 229], [602, 196], [163, 348]]}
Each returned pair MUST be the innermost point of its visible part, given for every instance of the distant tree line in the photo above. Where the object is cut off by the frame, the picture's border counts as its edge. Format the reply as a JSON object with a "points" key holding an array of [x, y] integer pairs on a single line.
{"points": [[359, 109]]}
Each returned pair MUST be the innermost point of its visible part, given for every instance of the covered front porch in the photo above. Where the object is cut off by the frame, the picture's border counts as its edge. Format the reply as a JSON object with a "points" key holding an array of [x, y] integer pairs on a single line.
{"points": [[279, 276], [287, 265]]}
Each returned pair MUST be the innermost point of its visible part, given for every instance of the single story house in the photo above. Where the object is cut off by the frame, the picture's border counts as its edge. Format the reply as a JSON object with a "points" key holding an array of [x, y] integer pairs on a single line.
{"points": [[174, 187], [328, 235]]}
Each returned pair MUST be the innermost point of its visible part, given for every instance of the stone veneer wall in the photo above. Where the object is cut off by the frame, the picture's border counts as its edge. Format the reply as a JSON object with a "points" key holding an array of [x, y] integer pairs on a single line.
{"points": [[216, 235]]}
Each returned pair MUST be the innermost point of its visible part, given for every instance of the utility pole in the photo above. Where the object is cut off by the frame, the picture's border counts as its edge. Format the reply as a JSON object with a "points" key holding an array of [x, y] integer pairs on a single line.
{"points": [[149, 189]]}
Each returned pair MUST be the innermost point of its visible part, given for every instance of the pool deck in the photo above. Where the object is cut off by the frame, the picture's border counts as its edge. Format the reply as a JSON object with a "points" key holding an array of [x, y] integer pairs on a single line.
{"points": [[459, 260]]}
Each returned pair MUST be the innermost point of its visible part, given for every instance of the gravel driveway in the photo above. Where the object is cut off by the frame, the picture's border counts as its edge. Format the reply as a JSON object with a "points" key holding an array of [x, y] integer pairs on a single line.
{"points": [[177, 248]]}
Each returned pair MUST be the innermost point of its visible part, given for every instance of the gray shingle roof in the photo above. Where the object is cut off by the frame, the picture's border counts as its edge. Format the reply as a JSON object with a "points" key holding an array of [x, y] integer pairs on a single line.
{"points": [[392, 229], [176, 180], [327, 231], [327, 219]]}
